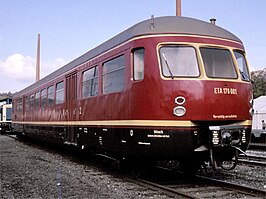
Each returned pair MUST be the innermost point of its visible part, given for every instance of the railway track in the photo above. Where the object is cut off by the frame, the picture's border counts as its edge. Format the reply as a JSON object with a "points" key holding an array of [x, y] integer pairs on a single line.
{"points": [[256, 160], [178, 185]]}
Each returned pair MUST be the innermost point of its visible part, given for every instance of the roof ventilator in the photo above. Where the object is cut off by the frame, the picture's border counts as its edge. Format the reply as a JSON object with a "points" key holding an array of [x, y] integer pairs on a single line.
{"points": [[213, 21]]}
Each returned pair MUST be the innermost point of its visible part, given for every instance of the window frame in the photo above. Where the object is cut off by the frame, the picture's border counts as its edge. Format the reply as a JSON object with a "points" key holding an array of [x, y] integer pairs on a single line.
{"points": [[31, 101], [59, 92], [50, 95], [27, 103], [138, 68], [245, 76], [37, 98], [44, 98], [161, 60], [231, 60], [93, 82], [105, 74]]}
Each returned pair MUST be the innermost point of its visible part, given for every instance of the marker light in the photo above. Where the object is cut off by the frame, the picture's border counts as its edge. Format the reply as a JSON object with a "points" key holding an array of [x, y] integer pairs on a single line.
{"points": [[180, 100]]}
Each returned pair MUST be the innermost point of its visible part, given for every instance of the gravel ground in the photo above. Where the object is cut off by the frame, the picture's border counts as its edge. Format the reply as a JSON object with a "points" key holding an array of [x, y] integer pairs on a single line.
{"points": [[33, 172], [28, 171], [252, 176]]}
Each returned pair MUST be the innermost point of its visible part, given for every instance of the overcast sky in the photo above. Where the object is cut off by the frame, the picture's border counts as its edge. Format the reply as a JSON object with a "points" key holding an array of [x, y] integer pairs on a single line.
{"points": [[70, 28]]}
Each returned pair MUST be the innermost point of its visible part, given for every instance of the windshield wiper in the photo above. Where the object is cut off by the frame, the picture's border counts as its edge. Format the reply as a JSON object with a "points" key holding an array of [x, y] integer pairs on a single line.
{"points": [[169, 69], [244, 75]]}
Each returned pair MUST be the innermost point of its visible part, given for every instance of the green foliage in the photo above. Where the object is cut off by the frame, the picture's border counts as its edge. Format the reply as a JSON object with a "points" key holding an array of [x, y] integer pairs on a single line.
{"points": [[259, 87]]}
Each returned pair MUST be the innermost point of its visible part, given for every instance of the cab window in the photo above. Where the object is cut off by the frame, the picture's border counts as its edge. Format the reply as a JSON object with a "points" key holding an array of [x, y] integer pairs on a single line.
{"points": [[218, 63], [179, 61], [242, 65]]}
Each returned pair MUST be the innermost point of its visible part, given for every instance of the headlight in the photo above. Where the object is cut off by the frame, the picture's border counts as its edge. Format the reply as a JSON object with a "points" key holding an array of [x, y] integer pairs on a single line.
{"points": [[179, 111]]}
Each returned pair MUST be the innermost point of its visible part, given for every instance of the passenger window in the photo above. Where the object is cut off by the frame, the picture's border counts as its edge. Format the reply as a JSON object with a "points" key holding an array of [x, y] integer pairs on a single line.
{"points": [[90, 82], [114, 75], [27, 106], [138, 62], [31, 102], [43, 98], [242, 65], [50, 95], [37, 100], [19, 105], [60, 93]]}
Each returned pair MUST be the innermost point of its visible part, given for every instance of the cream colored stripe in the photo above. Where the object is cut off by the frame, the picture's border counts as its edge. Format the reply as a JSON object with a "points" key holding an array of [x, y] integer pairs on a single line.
{"points": [[158, 123]]}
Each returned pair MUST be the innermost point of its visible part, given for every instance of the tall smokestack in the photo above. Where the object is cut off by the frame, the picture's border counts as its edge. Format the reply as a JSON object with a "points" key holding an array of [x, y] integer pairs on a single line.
{"points": [[178, 8], [38, 60]]}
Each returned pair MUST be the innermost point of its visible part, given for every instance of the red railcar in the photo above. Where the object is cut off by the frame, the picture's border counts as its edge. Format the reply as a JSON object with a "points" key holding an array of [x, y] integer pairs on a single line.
{"points": [[166, 88]]}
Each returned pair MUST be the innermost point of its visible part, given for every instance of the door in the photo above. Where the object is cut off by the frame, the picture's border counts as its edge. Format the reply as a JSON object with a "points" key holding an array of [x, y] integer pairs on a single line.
{"points": [[71, 109]]}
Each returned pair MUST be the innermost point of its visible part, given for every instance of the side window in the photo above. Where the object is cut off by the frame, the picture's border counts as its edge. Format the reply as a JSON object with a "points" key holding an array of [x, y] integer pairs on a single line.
{"points": [[19, 105], [16, 102], [31, 102], [43, 98], [138, 64], [37, 100], [50, 95], [60, 93], [90, 82], [114, 75], [242, 65], [27, 104]]}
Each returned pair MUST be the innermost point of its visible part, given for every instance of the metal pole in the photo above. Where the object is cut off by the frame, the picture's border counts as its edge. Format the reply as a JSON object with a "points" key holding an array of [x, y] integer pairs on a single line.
{"points": [[38, 60], [178, 8]]}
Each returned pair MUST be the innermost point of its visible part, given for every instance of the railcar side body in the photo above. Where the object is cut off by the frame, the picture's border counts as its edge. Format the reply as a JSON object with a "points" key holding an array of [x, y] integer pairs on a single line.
{"points": [[172, 88]]}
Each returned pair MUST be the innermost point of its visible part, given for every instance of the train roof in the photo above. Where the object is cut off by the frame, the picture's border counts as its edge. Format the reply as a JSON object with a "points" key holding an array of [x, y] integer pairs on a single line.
{"points": [[6, 100], [160, 25]]}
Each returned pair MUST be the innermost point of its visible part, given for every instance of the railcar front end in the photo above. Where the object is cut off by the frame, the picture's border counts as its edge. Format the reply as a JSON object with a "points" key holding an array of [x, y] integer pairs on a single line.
{"points": [[205, 95], [5, 118]]}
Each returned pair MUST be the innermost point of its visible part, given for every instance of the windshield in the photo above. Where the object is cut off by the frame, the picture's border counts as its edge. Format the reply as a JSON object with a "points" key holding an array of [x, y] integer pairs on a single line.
{"points": [[179, 61], [218, 63], [242, 65]]}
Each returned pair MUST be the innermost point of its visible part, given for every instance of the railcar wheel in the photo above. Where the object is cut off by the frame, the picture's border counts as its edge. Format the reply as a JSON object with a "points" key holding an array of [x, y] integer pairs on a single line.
{"points": [[190, 167], [228, 164], [139, 168], [136, 172]]}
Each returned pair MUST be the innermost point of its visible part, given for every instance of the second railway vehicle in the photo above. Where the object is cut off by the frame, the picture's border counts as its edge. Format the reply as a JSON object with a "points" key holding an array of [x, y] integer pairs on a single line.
{"points": [[6, 115], [168, 88]]}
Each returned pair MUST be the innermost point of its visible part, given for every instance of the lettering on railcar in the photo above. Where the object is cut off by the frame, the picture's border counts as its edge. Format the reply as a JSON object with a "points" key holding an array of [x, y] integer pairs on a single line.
{"points": [[158, 136], [225, 91], [224, 116]]}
